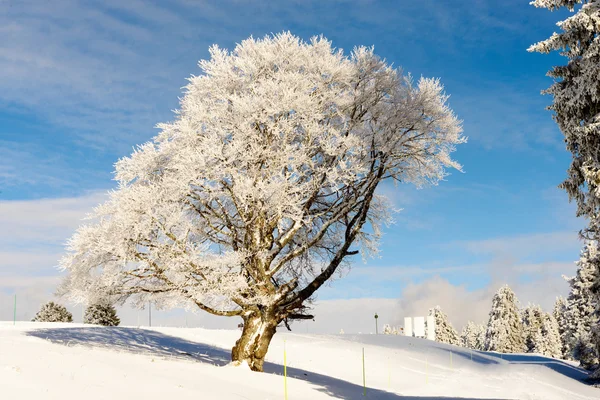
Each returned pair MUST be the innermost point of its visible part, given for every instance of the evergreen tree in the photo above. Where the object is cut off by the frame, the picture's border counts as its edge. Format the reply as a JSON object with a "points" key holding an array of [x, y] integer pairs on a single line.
{"points": [[101, 314], [559, 312], [532, 317], [547, 338], [53, 312], [576, 104], [444, 332], [580, 315], [504, 331], [576, 109], [473, 336], [387, 330], [480, 343]]}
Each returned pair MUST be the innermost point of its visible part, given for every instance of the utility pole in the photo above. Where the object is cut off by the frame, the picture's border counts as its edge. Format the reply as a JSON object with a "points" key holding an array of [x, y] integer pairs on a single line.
{"points": [[376, 328]]}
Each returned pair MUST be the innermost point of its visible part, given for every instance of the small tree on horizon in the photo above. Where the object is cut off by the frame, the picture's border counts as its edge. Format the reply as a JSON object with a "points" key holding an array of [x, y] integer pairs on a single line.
{"points": [[533, 318], [53, 312], [580, 315], [559, 311], [264, 186], [547, 338], [101, 314], [473, 336], [444, 332], [504, 332]]}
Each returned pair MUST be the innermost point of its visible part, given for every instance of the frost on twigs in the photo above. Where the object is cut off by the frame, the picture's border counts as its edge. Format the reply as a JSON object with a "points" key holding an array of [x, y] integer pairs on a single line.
{"points": [[252, 197]]}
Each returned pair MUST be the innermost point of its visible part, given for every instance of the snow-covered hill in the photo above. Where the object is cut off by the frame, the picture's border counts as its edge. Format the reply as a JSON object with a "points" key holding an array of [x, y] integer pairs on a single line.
{"points": [[72, 361]]}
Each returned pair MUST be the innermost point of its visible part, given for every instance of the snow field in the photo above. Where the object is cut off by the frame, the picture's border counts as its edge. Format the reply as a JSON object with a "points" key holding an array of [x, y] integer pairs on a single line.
{"points": [[69, 361]]}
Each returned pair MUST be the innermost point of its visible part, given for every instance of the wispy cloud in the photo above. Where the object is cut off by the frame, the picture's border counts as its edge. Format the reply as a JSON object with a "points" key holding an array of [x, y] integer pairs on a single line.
{"points": [[524, 246], [33, 234]]}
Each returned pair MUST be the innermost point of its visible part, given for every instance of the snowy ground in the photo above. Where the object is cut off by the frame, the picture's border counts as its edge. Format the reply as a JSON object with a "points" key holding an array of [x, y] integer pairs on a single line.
{"points": [[72, 361]]}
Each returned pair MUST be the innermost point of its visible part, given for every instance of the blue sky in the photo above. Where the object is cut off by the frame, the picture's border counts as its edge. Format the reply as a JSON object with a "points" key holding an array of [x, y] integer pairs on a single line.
{"points": [[84, 82]]}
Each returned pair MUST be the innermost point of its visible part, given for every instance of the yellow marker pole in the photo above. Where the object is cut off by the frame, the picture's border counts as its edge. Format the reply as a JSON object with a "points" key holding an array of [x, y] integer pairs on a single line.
{"points": [[364, 379], [284, 372]]}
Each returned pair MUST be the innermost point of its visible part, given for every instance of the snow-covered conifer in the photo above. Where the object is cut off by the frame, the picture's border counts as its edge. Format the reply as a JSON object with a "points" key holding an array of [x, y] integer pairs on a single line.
{"points": [[585, 350], [53, 312], [532, 317], [547, 338], [264, 185], [504, 332], [394, 331], [559, 313], [576, 109], [580, 316], [101, 314], [576, 102], [444, 332], [470, 335]]}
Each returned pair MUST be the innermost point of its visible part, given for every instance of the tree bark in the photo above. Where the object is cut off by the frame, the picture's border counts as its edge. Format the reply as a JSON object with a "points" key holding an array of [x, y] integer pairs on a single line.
{"points": [[253, 345]]}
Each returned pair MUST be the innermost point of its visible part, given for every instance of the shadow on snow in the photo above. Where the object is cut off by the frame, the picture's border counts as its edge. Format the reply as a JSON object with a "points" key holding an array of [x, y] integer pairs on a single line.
{"points": [[148, 342], [556, 365]]}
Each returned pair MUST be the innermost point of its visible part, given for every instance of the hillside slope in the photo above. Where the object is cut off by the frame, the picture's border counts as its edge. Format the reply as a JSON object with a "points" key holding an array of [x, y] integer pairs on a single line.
{"points": [[72, 361]]}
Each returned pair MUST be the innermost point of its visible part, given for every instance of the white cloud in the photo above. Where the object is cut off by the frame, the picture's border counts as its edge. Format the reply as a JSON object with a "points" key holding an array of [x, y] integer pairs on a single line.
{"points": [[521, 246], [33, 235], [31, 223]]}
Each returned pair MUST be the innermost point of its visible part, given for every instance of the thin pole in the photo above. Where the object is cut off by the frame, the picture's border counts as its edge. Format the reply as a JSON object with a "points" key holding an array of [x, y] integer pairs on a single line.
{"points": [[364, 378], [15, 312], [284, 372]]}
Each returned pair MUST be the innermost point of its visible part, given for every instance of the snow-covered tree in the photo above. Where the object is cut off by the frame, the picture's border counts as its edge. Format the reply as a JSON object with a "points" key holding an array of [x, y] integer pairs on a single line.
{"points": [[585, 350], [255, 195], [580, 315], [387, 329], [394, 330], [576, 104], [504, 332], [473, 336], [444, 332], [547, 339], [101, 314], [559, 313], [532, 317], [341, 331], [469, 335], [53, 312], [481, 331], [576, 109]]}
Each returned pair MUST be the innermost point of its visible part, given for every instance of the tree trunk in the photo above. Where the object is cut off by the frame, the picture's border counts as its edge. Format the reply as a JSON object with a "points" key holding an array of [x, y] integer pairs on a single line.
{"points": [[253, 345]]}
